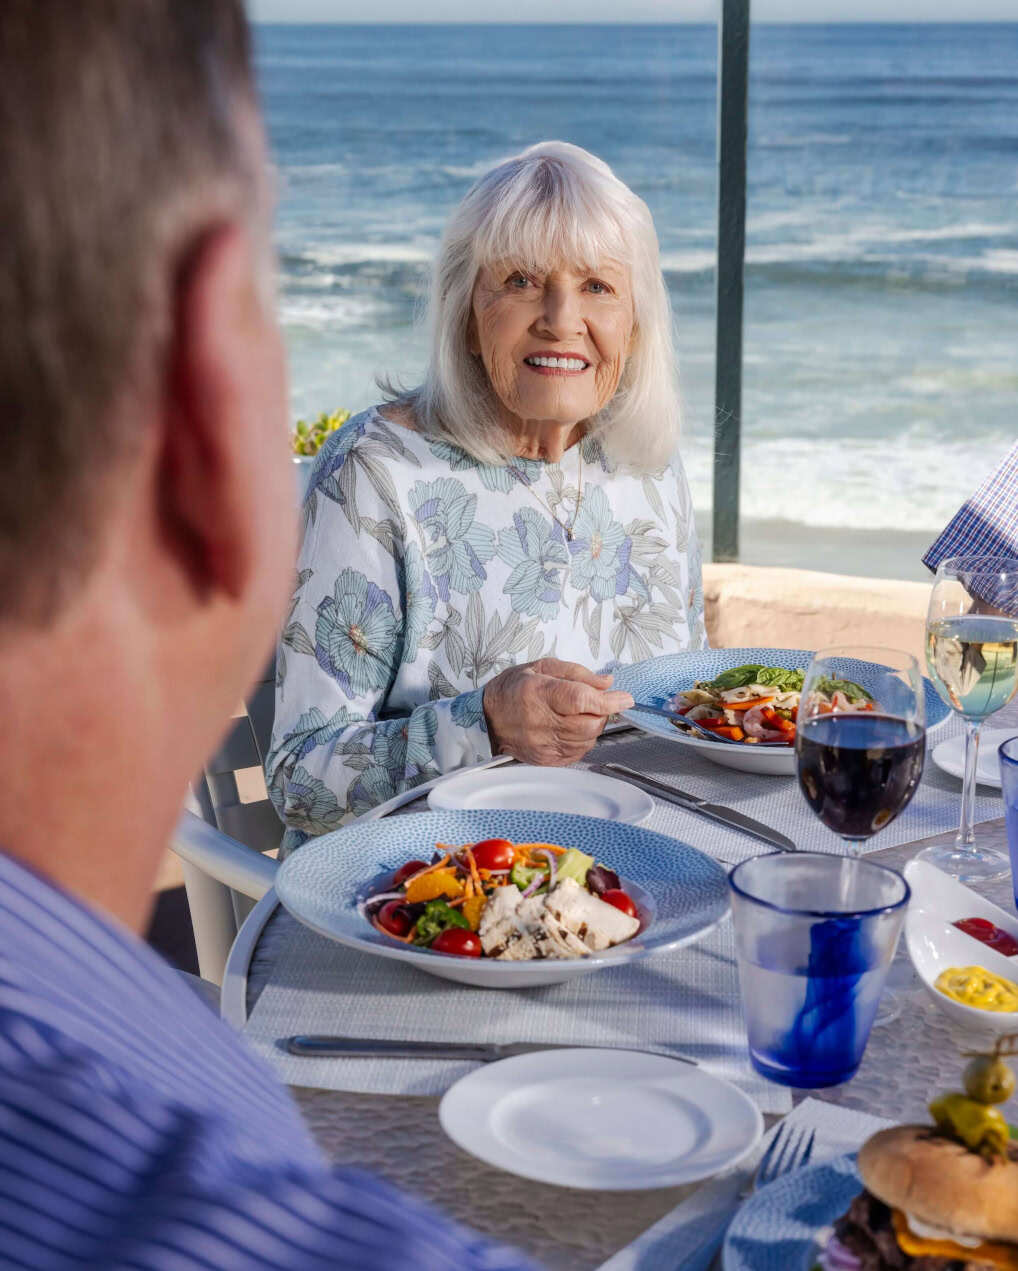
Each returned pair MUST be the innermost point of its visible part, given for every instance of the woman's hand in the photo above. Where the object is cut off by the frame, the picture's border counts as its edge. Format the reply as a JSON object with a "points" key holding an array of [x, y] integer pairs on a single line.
{"points": [[549, 712]]}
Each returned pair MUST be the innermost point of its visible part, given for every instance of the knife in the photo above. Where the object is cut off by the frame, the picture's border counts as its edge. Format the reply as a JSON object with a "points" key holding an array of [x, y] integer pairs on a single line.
{"points": [[325, 1047], [692, 803]]}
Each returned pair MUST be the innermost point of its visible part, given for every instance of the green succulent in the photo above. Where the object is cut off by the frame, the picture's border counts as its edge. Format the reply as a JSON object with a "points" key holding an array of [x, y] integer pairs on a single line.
{"points": [[308, 438]]}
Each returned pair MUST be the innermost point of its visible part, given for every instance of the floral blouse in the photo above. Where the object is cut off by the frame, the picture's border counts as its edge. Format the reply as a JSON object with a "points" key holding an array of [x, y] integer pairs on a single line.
{"points": [[424, 573]]}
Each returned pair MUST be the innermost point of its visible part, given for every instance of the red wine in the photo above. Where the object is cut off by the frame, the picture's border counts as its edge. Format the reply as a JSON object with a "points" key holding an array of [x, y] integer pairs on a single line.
{"points": [[858, 771]]}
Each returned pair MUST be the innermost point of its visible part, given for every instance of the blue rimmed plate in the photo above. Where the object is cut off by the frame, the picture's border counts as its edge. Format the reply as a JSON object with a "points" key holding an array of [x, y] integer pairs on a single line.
{"points": [[657, 680], [777, 1228], [680, 893]]}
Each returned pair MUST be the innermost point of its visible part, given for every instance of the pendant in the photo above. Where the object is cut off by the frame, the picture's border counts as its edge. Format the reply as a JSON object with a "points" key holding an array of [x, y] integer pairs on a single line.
{"points": [[569, 534]]}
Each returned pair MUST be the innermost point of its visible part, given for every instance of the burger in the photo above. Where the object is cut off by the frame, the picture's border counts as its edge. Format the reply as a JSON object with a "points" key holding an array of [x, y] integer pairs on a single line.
{"points": [[930, 1204], [941, 1197]]}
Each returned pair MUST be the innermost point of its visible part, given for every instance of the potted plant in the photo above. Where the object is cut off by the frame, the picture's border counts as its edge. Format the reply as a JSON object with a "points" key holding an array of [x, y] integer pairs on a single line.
{"points": [[308, 438]]}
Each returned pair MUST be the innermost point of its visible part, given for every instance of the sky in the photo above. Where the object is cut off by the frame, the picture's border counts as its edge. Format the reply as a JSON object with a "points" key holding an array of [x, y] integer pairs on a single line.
{"points": [[630, 10]]}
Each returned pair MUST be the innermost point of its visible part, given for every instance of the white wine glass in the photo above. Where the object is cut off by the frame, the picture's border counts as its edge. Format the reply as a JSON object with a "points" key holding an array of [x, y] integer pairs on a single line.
{"points": [[972, 656]]}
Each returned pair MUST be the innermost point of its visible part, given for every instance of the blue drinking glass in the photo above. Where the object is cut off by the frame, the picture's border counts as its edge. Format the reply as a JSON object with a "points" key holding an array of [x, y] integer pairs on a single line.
{"points": [[815, 935], [1008, 752]]}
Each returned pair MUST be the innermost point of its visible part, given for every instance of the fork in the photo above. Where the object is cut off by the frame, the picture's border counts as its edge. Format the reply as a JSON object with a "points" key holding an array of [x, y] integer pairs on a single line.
{"points": [[790, 1148], [694, 726]]}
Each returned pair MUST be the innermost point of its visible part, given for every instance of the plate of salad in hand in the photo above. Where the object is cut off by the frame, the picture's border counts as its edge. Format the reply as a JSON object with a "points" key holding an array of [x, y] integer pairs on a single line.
{"points": [[504, 898], [748, 698]]}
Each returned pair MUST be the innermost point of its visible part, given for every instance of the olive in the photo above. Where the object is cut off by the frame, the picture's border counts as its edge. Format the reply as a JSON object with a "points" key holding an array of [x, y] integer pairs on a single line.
{"points": [[988, 1079]]}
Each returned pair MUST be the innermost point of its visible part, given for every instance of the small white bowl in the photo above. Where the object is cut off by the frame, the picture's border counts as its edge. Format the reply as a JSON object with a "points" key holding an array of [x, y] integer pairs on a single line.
{"points": [[934, 944]]}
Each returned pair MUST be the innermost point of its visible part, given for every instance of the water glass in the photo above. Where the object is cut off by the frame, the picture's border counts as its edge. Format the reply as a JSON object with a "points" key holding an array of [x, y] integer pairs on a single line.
{"points": [[1008, 753], [815, 935]]}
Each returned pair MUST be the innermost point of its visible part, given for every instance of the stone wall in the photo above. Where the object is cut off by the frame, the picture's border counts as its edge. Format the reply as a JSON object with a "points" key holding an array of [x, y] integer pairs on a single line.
{"points": [[750, 605]]}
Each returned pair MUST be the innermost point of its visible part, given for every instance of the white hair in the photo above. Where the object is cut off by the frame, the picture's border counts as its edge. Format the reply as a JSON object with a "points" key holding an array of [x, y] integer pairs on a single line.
{"points": [[553, 203]]}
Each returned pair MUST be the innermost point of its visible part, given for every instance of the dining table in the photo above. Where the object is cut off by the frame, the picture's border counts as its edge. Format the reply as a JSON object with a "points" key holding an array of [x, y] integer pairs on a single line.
{"points": [[398, 1136]]}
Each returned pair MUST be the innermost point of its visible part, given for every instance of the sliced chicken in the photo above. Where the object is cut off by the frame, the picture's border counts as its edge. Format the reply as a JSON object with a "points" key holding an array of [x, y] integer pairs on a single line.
{"points": [[530, 917], [596, 924], [497, 927]]}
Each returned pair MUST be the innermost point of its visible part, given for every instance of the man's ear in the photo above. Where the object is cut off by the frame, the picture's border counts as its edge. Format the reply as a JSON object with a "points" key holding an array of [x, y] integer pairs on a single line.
{"points": [[205, 494]]}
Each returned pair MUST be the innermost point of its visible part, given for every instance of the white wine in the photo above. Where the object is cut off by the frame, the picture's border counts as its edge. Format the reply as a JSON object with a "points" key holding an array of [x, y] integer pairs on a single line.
{"points": [[973, 662]]}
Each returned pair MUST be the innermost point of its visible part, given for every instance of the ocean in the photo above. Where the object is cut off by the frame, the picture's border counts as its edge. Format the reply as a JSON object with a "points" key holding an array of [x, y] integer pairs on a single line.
{"points": [[881, 304]]}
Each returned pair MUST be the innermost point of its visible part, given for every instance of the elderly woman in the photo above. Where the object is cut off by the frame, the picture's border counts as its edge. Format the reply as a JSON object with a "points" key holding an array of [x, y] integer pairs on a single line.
{"points": [[475, 546]]}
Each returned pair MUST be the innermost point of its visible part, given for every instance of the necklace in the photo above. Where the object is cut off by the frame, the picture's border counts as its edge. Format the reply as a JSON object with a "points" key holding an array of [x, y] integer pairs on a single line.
{"points": [[566, 529]]}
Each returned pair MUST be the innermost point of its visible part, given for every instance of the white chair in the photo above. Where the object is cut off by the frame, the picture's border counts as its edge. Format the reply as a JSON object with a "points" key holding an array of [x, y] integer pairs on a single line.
{"points": [[223, 878], [224, 868]]}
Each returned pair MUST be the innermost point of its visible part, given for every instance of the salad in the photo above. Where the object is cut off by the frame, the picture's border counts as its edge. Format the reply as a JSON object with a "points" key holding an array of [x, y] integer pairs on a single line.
{"points": [[755, 703], [512, 901]]}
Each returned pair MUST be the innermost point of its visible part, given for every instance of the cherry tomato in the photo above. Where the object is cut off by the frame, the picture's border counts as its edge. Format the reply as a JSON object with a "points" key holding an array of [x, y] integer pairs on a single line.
{"points": [[620, 900], [394, 918], [407, 871], [465, 944], [493, 854]]}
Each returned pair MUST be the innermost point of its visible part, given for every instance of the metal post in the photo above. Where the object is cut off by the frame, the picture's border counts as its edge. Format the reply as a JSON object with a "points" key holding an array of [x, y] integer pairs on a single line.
{"points": [[733, 96]]}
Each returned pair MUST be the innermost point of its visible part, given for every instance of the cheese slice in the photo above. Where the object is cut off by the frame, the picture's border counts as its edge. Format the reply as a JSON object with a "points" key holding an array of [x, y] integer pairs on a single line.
{"points": [[994, 1254]]}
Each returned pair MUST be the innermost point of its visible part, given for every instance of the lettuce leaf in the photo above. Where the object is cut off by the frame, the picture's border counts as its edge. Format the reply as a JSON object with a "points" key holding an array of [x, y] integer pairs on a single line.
{"points": [[735, 677], [437, 916], [784, 681]]}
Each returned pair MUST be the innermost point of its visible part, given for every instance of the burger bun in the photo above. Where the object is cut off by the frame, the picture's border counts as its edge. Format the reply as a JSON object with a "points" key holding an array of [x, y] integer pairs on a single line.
{"points": [[912, 1168]]}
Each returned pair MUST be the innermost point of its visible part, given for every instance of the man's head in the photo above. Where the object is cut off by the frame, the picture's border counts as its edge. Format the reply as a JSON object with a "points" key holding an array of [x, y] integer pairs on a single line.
{"points": [[145, 497]]}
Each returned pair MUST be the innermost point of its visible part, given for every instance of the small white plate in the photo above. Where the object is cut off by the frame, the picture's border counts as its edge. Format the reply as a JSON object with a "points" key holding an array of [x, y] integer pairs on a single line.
{"points": [[621, 1120], [950, 755], [934, 943], [544, 790]]}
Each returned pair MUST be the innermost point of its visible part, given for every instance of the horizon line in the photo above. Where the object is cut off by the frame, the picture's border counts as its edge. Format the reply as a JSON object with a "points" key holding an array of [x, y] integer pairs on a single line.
{"points": [[632, 22]]}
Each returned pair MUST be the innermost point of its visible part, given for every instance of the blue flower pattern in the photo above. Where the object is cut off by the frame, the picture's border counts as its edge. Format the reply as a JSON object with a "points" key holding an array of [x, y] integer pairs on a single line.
{"points": [[355, 634], [600, 549], [535, 549], [424, 573], [456, 546]]}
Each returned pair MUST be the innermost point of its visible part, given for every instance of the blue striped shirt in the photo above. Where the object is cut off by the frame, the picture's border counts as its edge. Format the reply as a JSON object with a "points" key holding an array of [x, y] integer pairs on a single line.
{"points": [[987, 523], [136, 1131]]}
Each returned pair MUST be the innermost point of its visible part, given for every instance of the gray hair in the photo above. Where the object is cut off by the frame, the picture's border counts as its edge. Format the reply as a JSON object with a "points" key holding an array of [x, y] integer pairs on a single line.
{"points": [[554, 202]]}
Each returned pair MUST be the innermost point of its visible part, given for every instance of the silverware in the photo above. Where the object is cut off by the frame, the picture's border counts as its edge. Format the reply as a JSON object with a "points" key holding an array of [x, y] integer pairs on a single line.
{"points": [[790, 1148], [692, 803], [694, 726], [325, 1047]]}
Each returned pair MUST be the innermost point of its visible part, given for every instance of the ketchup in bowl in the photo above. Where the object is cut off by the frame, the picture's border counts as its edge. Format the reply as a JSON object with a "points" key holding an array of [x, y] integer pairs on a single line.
{"points": [[987, 933]]}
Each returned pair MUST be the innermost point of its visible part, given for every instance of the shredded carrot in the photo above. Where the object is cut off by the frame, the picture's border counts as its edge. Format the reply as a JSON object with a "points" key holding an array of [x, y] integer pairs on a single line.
{"points": [[468, 889], [437, 865], [473, 867], [455, 904], [551, 847], [745, 706]]}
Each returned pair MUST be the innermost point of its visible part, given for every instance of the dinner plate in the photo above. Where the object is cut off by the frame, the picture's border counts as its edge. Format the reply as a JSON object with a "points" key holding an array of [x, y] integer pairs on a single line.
{"points": [[657, 680], [949, 755], [619, 1120], [544, 790], [777, 1228], [679, 892]]}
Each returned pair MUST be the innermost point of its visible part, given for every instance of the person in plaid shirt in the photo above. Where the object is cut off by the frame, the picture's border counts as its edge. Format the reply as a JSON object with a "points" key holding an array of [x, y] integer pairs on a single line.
{"points": [[987, 523]]}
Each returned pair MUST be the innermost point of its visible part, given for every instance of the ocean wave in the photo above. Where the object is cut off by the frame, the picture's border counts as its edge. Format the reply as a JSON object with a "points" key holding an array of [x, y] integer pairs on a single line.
{"points": [[361, 253], [832, 261], [910, 482], [331, 313]]}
